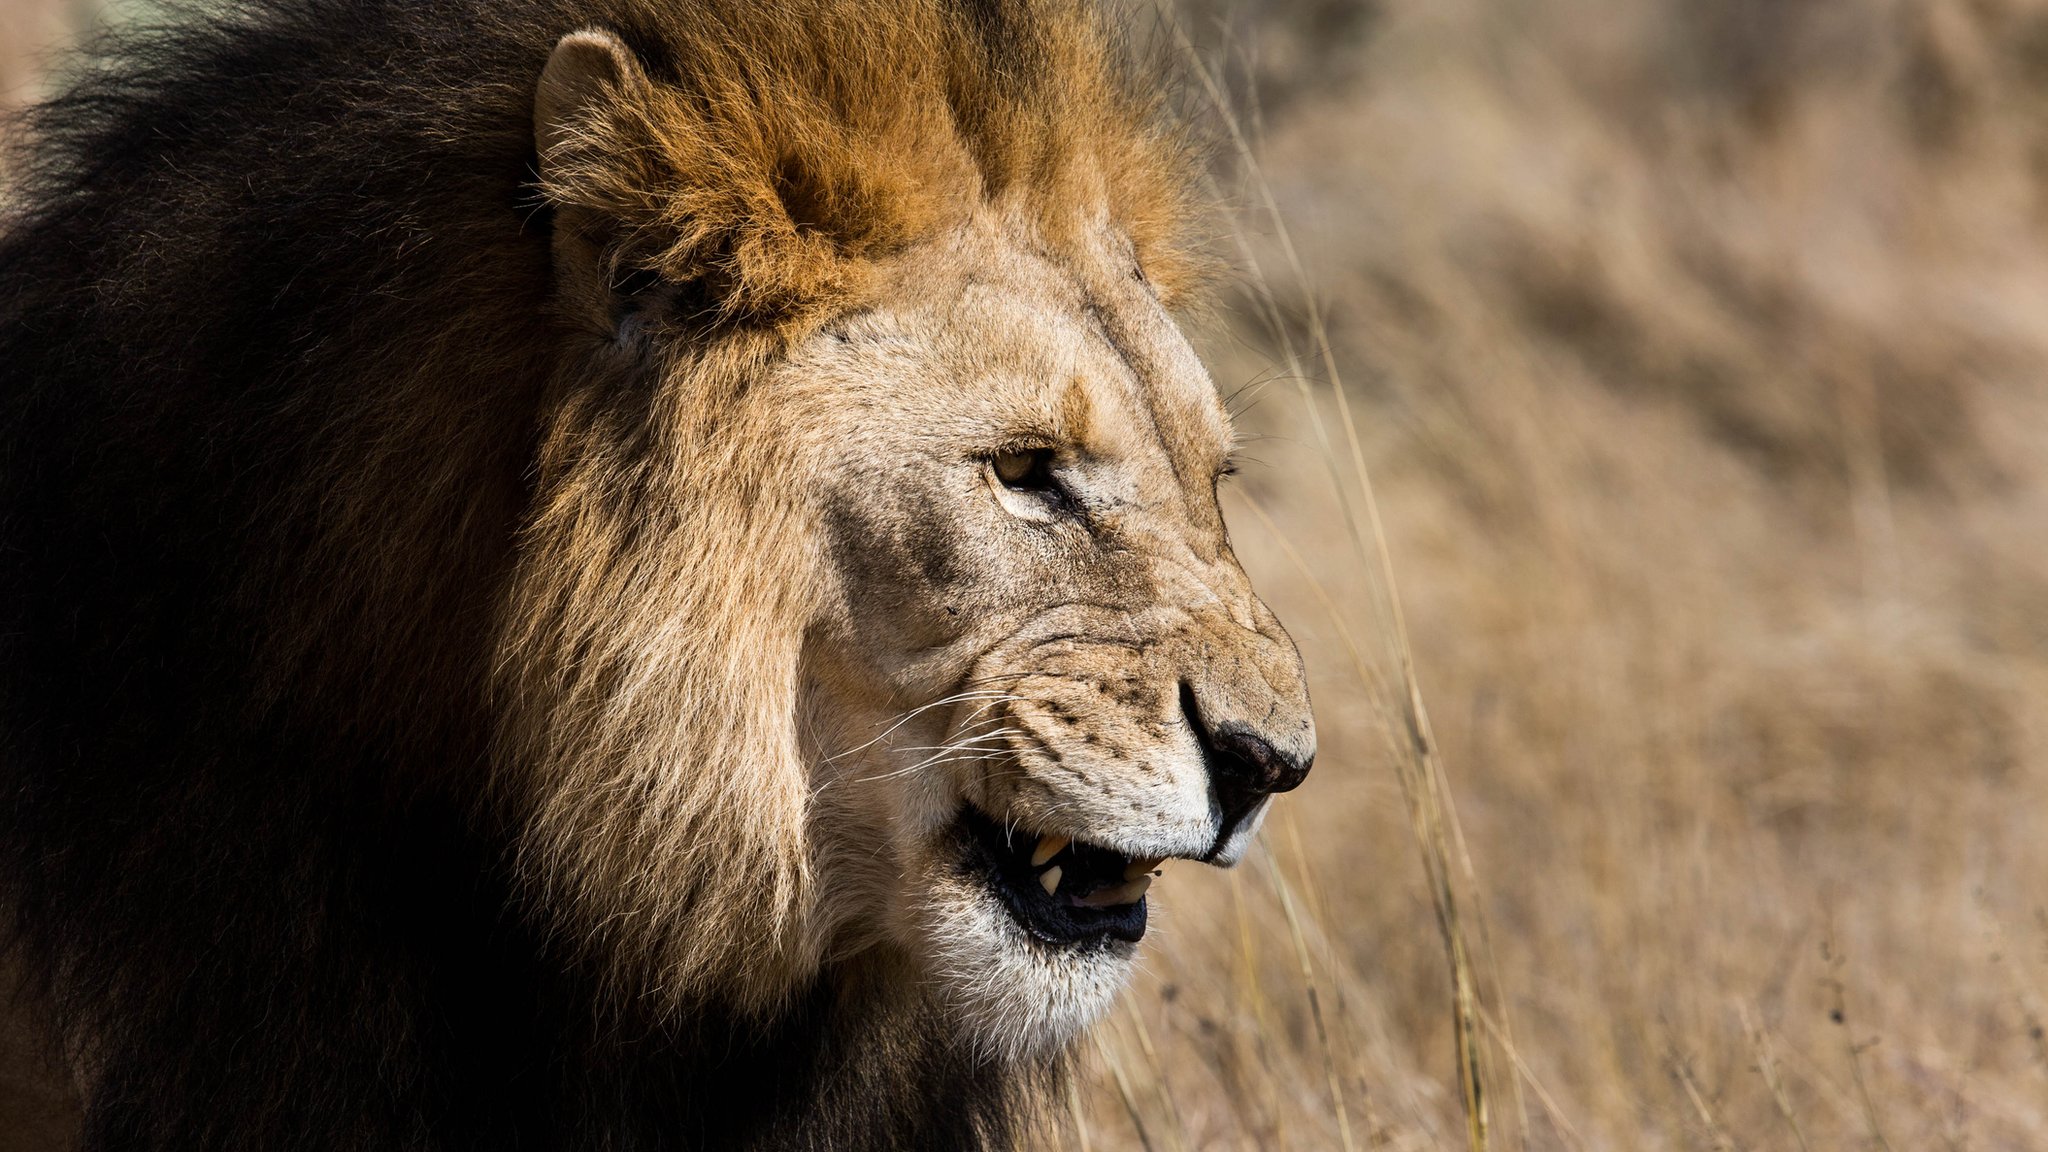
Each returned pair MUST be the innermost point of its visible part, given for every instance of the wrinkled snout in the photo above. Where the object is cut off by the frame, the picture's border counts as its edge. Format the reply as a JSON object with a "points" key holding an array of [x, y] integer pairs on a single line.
{"points": [[1162, 732]]}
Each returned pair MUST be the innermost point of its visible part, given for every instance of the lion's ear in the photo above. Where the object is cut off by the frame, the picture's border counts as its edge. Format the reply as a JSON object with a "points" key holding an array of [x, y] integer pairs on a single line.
{"points": [[586, 69], [758, 198], [588, 77]]}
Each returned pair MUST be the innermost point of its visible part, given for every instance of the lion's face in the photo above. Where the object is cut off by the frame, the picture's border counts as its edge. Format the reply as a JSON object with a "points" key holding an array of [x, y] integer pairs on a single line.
{"points": [[1041, 671], [875, 601]]}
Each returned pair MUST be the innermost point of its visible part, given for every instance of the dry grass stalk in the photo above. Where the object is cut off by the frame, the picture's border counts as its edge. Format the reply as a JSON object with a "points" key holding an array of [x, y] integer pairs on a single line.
{"points": [[1319, 914], [1681, 1069], [2032, 1014], [1315, 1001], [1870, 487], [1123, 1090], [1558, 1119], [1853, 1048], [1767, 1068], [1160, 1080], [1248, 991], [1419, 770]]}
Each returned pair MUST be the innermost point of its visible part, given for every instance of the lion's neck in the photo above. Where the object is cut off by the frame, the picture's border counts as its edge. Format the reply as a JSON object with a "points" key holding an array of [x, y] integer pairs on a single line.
{"points": [[856, 1062]]}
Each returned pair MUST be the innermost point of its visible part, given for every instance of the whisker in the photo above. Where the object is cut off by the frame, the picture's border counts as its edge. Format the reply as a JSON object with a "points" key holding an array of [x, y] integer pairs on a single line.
{"points": [[948, 753], [989, 699]]}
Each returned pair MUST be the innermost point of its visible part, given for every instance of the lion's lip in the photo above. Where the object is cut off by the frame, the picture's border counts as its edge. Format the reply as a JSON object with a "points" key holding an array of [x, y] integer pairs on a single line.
{"points": [[1059, 890]]}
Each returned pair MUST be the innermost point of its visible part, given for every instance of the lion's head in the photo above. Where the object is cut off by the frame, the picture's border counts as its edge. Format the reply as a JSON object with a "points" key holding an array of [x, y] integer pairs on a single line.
{"points": [[876, 607]]}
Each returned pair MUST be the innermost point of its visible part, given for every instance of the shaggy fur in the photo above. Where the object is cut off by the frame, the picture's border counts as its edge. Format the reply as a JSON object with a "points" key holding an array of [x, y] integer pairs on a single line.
{"points": [[399, 695]]}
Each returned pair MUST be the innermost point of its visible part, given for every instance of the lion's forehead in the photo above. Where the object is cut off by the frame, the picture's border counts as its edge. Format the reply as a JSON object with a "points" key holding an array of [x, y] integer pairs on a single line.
{"points": [[1092, 355]]}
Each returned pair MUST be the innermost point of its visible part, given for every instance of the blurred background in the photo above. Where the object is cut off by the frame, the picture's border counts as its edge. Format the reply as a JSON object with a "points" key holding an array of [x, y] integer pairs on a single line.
{"points": [[1693, 791]]}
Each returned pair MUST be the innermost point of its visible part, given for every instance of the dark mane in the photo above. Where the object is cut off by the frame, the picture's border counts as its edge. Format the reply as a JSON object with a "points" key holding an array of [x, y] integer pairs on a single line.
{"points": [[275, 339]]}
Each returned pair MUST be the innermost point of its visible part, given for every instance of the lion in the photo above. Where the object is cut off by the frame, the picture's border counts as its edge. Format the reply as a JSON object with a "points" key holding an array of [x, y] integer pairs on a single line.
{"points": [[610, 573]]}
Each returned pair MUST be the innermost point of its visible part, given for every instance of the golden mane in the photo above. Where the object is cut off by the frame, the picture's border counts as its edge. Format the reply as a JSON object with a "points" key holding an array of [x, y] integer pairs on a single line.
{"points": [[782, 148]]}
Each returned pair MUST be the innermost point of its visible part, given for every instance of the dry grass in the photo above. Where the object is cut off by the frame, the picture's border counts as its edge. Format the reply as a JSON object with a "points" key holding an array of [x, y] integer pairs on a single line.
{"points": [[1697, 353]]}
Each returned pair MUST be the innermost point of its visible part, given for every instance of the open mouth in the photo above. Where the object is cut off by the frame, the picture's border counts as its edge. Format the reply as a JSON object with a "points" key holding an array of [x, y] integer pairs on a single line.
{"points": [[1061, 891]]}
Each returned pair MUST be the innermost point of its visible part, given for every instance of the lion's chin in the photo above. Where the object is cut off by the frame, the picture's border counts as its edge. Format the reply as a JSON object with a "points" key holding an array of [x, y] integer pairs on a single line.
{"points": [[1013, 996], [1024, 965]]}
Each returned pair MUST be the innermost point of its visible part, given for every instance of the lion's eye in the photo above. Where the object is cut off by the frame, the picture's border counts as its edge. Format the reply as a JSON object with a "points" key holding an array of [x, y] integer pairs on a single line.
{"points": [[1027, 471]]}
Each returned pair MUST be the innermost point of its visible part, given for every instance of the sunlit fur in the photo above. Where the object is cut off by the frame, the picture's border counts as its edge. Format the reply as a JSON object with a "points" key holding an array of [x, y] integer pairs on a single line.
{"points": [[495, 637]]}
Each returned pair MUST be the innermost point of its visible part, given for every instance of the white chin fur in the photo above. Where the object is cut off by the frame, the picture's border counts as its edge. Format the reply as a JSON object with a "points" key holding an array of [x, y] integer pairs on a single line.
{"points": [[1015, 997]]}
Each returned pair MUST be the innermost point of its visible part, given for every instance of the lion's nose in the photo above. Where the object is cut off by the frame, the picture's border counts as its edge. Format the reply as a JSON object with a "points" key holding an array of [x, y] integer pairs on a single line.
{"points": [[1247, 760], [1244, 767]]}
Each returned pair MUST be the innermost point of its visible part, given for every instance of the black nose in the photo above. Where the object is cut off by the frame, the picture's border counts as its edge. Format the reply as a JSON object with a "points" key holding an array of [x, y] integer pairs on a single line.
{"points": [[1244, 767]]}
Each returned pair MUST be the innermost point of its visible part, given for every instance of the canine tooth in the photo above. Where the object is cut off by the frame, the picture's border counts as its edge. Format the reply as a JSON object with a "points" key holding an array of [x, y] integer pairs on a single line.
{"points": [[1049, 847], [1128, 892], [1140, 867], [1050, 880]]}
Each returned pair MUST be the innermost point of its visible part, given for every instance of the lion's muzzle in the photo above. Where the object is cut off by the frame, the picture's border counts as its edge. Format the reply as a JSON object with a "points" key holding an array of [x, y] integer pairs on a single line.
{"points": [[1153, 733]]}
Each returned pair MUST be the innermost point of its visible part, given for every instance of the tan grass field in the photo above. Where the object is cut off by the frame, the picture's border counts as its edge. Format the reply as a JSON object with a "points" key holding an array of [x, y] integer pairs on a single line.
{"points": [[1698, 355]]}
